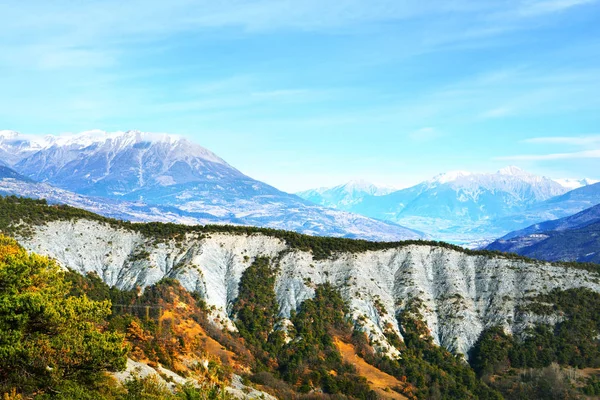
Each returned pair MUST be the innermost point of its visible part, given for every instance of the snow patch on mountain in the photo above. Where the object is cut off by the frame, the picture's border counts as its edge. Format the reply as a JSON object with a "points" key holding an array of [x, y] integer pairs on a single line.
{"points": [[457, 206], [346, 195], [363, 186], [572, 183], [248, 202], [449, 177]]}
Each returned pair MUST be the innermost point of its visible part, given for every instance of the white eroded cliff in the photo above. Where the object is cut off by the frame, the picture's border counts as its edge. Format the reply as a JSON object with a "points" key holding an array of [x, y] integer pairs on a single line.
{"points": [[461, 293]]}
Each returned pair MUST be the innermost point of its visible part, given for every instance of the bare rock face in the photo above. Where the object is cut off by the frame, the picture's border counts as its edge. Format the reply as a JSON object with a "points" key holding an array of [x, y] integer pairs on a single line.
{"points": [[461, 294]]}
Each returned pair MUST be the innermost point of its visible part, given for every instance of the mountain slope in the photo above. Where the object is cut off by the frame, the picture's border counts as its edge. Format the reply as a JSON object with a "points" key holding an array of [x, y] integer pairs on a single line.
{"points": [[557, 207], [9, 173], [465, 207], [116, 164], [14, 147], [574, 238], [344, 196], [14, 184], [310, 220], [148, 177], [484, 289], [462, 206], [578, 220], [572, 184], [578, 199]]}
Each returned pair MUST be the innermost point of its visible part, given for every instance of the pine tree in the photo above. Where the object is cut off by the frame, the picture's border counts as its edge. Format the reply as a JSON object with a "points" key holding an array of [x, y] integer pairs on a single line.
{"points": [[47, 337]]}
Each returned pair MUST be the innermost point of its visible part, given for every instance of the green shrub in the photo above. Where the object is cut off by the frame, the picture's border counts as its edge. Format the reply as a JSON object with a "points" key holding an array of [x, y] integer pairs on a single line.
{"points": [[48, 338]]}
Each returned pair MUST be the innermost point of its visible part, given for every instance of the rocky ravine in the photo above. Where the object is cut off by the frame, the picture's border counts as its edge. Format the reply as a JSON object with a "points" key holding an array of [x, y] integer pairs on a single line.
{"points": [[461, 293]]}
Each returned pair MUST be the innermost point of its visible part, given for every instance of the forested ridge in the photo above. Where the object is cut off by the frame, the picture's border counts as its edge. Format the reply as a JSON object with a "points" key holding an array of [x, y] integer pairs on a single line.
{"points": [[19, 215], [573, 342], [308, 361], [63, 335], [46, 310]]}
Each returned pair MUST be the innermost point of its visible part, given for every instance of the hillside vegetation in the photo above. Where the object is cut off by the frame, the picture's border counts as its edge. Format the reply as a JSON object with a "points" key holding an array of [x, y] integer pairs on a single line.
{"points": [[46, 311], [573, 342], [50, 342], [77, 331], [59, 339]]}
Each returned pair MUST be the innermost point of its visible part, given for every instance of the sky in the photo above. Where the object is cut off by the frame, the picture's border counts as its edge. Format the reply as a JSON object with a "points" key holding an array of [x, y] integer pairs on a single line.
{"points": [[312, 93]]}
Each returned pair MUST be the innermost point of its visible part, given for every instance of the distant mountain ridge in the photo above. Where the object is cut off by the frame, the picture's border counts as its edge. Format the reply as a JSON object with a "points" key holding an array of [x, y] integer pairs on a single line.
{"points": [[346, 195], [573, 238], [164, 177], [575, 183], [147, 177], [116, 164], [557, 207], [462, 206]]}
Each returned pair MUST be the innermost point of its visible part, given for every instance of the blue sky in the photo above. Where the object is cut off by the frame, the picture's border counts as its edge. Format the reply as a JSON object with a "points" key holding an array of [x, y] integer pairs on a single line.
{"points": [[313, 93]]}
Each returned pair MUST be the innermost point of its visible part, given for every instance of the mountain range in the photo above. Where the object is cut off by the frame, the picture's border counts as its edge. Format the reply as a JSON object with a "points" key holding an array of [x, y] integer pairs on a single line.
{"points": [[575, 183], [142, 176], [463, 207], [573, 238], [345, 196], [153, 177]]}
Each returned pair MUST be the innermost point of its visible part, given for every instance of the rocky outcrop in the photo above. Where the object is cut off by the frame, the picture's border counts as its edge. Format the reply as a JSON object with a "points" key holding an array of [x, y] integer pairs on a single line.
{"points": [[461, 293], [236, 388]]}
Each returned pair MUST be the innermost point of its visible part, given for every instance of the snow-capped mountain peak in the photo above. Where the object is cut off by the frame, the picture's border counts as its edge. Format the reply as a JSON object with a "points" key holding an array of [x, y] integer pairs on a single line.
{"points": [[510, 175], [8, 134], [145, 176], [345, 195], [364, 186], [123, 139], [14, 146], [118, 140], [92, 137], [520, 184], [450, 176], [112, 163], [111, 142], [511, 170], [572, 183], [359, 184], [455, 204]]}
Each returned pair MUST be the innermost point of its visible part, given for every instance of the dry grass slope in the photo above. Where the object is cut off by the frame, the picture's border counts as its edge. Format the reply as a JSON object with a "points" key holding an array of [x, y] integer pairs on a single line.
{"points": [[379, 381]]}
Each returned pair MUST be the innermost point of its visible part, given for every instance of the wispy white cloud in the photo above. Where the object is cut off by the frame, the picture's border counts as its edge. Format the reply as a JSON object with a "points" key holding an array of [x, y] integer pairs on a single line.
{"points": [[568, 140], [553, 156], [425, 134], [497, 112], [540, 7], [93, 26], [591, 142]]}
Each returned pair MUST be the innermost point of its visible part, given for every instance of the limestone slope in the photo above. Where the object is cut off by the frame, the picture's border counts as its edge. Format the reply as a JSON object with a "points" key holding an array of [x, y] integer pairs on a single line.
{"points": [[462, 292]]}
